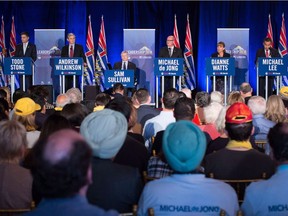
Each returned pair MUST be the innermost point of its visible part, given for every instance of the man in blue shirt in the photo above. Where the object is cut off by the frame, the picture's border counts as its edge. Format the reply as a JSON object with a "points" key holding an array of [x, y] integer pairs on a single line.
{"points": [[62, 173]]}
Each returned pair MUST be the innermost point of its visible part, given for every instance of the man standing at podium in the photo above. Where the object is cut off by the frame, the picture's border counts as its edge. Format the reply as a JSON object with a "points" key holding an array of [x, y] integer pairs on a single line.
{"points": [[70, 51], [26, 49], [124, 64], [266, 52], [170, 51]]}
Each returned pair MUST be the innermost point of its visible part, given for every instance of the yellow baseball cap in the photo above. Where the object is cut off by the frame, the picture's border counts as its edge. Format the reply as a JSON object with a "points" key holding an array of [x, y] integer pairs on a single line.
{"points": [[26, 106], [284, 92]]}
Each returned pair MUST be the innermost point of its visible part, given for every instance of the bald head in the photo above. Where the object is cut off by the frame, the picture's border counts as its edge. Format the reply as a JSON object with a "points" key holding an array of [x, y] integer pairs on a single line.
{"points": [[61, 165], [62, 100], [60, 145]]}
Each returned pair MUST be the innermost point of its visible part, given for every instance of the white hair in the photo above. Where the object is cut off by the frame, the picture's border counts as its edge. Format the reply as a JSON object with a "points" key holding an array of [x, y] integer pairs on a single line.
{"points": [[257, 105], [216, 96], [220, 121], [75, 95], [187, 92], [211, 112]]}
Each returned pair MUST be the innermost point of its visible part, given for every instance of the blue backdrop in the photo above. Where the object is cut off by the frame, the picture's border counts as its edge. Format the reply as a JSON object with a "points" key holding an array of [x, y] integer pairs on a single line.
{"points": [[205, 18]]}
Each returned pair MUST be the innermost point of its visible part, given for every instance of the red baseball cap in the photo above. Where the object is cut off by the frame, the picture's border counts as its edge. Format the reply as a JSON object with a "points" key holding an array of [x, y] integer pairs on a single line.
{"points": [[238, 113]]}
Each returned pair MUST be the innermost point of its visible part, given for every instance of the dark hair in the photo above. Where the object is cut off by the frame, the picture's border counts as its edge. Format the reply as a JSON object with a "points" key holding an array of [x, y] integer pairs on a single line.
{"points": [[245, 88], [170, 97], [75, 113], [278, 140], [4, 104], [39, 90], [221, 43], [3, 93], [142, 95], [267, 40], [118, 87], [239, 132], [64, 178], [121, 105], [18, 94], [25, 33], [102, 99], [38, 100], [184, 109], [203, 99], [53, 123]]}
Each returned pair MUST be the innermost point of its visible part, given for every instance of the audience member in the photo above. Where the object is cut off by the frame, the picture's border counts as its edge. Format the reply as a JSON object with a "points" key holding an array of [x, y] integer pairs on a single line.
{"points": [[186, 191], [8, 95], [238, 160], [62, 173], [275, 109], [4, 109], [246, 91], [211, 113], [16, 181], [202, 100], [161, 121], [61, 101], [234, 97], [269, 197], [145, 111], [257, 105], [118, 90], [217, 97], [187, 92], [16, 96], [40, 115], [75, 114], [101, 100], [24, 112], [75, 95], [133, 152], [114, 186], [284, 95]]}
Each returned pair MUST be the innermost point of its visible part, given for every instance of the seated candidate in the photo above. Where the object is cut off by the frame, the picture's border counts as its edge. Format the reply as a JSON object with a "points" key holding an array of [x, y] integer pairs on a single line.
{"points": [[124, 64]]}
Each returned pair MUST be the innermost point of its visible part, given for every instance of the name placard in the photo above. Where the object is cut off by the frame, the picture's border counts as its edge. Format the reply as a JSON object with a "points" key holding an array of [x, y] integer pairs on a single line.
{"points": [[220, 66], [168, 66], [125, 77], [272, 67], [68, 66], [21, 66]]}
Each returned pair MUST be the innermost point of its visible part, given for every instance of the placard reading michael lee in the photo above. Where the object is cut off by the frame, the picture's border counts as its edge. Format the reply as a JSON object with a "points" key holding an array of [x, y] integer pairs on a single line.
{"points": [[68, 66], [272, 66], [168, 66]]}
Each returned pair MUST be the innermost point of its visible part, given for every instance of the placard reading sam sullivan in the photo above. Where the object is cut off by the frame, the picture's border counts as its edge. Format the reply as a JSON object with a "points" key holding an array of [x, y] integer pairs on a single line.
{"points": [[125, 77], [22, 66], [220, 66], [168, 66], [68, 66], [272, 66]]}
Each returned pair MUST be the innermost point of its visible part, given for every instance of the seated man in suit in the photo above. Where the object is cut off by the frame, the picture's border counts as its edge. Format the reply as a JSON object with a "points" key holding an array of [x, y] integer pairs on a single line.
{"points": [[170, 51], [26, 49], [124, 64], [70, 51]]}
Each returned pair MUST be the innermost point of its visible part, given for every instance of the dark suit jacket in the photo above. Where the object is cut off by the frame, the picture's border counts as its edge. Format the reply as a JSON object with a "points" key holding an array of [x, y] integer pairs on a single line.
{"points": [[78, 52], [261, 53], [146, 112], [30, 51], [114, 186], [118, 66], [164, 53], [226, 55]]}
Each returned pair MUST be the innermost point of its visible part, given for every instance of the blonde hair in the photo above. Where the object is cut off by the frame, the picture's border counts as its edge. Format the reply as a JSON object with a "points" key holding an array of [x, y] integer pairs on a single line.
{"points": [[235, 96], [275, 109], [28, 121]]}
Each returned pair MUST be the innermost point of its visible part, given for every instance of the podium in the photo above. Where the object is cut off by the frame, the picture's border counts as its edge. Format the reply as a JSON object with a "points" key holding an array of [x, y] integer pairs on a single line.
{"points": [[220, 67], [63, 67], [271, 67], [23, 66], [125, 77], [167, 67]]}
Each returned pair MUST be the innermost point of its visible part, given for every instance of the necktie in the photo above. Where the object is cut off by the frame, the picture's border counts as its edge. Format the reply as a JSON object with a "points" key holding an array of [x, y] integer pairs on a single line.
{"points": [[267, 53], [170, 52], [125, 65], [71, 52]]}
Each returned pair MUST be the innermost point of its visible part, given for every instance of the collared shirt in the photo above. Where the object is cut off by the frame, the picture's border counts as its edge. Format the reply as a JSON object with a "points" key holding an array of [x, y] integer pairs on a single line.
{"points": [[157, 168], [25, 45], [123, 67]]}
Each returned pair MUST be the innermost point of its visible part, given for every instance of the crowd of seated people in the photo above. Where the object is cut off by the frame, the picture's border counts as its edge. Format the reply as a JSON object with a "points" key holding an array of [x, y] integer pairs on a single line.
{"points": [[71, 160]]}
